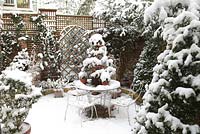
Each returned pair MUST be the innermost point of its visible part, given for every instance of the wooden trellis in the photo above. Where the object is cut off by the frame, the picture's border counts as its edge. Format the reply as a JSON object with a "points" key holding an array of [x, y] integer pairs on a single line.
{"points": [[73, 45]]}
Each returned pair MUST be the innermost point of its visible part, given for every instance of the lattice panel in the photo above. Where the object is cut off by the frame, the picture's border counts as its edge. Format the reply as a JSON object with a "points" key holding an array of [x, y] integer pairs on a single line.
{"points": [[73, 44]]}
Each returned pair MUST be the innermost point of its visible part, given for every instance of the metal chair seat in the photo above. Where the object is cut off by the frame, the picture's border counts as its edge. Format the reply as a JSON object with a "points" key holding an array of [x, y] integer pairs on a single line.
{"points": [[79, 99]]}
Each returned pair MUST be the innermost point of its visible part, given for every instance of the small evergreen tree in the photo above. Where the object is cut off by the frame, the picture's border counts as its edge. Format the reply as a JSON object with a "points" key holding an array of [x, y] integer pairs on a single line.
{"points": [[50, 52], [171, 103], [97, 66], [21, 61], [17, 94], [86, 7], [143, 71], [125, 25], [18, 25], [9, 41]]}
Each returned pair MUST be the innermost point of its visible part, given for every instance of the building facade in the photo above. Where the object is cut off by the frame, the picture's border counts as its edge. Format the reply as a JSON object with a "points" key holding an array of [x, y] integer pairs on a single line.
{"points": [[69, 7], [9, 6]]}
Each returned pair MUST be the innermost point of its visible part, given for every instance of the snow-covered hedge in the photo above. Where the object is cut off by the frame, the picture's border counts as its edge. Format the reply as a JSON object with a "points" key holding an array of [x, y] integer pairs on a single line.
{"points": [[125, 20]]}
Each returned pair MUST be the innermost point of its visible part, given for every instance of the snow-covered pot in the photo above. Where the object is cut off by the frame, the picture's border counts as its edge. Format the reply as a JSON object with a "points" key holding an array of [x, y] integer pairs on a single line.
{"points": [[83, 80], [26, 128], [83, 77], [116, 94], [58, 93]]}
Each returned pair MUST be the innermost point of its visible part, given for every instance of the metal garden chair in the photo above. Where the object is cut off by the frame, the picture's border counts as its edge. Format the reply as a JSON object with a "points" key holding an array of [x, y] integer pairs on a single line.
{"points": [[79, 99], [126, 102]]}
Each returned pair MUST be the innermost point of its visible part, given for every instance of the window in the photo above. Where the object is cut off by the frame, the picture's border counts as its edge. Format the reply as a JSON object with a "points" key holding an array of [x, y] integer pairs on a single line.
{"points": [[17, 3], [9, 2], [23, 3]]}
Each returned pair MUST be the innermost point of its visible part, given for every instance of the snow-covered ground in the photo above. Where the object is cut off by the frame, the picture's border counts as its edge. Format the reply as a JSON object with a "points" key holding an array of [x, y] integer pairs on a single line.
{"points": [[47, 117]]}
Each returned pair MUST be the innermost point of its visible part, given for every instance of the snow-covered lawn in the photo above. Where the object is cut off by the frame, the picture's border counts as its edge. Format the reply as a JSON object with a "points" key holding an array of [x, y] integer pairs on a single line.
{"points": [[47, 117]]}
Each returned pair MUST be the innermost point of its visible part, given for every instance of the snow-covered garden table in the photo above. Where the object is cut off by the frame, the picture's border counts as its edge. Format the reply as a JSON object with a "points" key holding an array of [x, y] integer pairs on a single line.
{"points": [[105, 91], [113, 84]]}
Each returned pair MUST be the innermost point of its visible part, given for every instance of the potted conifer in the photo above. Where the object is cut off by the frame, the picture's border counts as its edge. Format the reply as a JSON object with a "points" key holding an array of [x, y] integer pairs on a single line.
{"points": [[17, 98], [17, 95]]}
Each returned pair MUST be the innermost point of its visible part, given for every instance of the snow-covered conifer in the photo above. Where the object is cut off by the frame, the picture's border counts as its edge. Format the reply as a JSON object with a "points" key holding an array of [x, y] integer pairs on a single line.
{"points": [[9, 41], [50, 53], [143, 71], [97, 66], [17, 95], [21, 61], [172, 101]]}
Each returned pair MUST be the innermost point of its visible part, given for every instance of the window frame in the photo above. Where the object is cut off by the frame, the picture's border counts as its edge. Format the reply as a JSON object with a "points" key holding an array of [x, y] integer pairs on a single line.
{"points": [[9, 4], [15, 4]]}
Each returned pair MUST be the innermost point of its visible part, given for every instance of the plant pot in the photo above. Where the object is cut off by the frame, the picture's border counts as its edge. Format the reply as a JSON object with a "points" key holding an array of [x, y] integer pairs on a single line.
{"points": [[58, 93], [84, 81], [26, 128], [97, 67], [96, 81], [105, 83], [116, 94]]}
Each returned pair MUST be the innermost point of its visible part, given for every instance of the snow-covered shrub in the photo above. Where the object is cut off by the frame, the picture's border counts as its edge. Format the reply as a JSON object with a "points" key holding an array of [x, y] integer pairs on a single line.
{"points": [[125, 24], [17, 93], [49, 84], [172, 101], [9, 41], [21, 61], [50, 53], [17, 96], [18, 25], [153, 46]]}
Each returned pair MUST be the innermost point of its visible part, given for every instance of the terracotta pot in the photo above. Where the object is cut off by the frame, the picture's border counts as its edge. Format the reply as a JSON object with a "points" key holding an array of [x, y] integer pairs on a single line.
{"points": [[84, 81], [105, 83], [116, 94], [26, 128], [58, 93], [98, 67]]}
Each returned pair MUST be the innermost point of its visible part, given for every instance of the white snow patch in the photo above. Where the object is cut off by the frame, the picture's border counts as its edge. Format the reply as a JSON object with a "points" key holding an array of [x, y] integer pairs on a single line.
{"points": [[186, 92], [18, 75]]}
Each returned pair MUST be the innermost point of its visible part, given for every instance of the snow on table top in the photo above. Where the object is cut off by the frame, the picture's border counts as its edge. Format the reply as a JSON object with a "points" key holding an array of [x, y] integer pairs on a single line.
{"points": [[113, 84]]}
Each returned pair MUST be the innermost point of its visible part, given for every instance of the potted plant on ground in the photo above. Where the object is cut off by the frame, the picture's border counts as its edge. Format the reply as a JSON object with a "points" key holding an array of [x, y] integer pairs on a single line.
{"points": [[17, 97], [58, 88]]}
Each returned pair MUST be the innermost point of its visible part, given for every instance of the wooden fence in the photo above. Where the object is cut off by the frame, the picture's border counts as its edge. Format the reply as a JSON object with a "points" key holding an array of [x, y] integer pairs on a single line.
{"points": [[55, 21]]}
